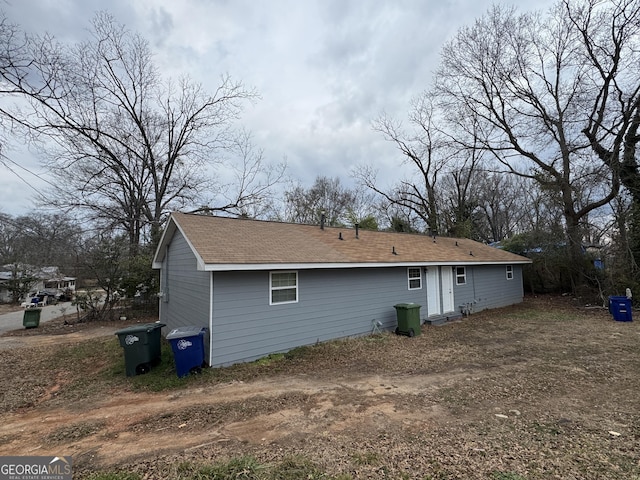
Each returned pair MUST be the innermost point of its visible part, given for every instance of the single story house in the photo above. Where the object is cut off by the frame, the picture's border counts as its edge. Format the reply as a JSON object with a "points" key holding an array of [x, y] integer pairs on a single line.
{"points": [[263, 287], [40, 279], [5, 292]]}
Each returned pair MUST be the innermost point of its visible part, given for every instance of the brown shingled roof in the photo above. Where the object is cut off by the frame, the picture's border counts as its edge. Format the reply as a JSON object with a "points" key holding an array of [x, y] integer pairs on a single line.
{"points": [[220, 242]]}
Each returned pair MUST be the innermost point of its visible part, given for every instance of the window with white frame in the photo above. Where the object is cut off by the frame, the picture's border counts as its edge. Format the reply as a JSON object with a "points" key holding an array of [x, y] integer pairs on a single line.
{"points": [[283, 287], [509, 272], [415, 278], [461, 275]]}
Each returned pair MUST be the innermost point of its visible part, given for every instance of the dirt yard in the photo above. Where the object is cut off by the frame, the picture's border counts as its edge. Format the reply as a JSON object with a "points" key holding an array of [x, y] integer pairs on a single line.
{"points": [[542, 390]]}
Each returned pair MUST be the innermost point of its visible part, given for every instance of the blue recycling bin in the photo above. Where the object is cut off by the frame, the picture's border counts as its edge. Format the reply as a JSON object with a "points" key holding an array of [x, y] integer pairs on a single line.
{"points": [[187, 344], [620, 308]]}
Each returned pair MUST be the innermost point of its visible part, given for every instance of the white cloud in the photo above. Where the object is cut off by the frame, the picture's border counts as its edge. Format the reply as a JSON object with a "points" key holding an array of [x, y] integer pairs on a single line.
{"points": [[324, 69]]}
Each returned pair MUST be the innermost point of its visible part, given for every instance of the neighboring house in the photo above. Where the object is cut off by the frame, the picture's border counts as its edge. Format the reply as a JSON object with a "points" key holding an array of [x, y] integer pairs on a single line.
{"points": [[59, 282], [51, 280], [264, 287], [5, 293], [44, 278]]}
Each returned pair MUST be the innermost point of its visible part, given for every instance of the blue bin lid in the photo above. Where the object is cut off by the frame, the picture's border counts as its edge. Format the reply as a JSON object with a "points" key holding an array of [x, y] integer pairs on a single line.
{"points": [[188, 331]]}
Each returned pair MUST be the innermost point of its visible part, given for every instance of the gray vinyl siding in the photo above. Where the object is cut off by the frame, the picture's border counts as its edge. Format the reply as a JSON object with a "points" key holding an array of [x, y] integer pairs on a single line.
{"points": [[331, 304], [186, 288], [487, 287]]}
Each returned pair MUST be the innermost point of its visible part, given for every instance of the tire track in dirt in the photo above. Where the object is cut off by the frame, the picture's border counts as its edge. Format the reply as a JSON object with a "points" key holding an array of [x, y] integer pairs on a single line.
{"points": [[368, 403]]}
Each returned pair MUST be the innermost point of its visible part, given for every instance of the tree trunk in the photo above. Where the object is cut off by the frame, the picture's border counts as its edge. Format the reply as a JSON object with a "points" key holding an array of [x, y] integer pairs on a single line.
{"points": [[576, 260]]}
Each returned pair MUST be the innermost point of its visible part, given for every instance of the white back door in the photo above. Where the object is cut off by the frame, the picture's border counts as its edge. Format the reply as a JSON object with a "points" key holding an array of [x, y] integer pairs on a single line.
{"points": [[433, 291], [447, 289]]}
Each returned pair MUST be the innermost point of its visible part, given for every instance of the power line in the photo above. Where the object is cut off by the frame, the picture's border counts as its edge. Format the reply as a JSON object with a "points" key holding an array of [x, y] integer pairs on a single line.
{"points": [[6, 161]]}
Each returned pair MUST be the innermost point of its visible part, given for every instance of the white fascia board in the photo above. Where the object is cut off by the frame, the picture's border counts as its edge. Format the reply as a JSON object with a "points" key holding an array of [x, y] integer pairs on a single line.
{"points": [[158, 256], [167, 235], [221, 267]]}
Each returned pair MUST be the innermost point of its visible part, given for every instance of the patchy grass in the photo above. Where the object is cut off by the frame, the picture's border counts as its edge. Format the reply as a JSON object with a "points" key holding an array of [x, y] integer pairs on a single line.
{"points": [[239, 468], [366, 458], [113, 476], [528, 392]]}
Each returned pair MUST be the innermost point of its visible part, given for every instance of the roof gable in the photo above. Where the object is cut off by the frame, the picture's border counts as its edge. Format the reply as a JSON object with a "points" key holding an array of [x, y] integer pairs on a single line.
{"points": [[221, 243]]}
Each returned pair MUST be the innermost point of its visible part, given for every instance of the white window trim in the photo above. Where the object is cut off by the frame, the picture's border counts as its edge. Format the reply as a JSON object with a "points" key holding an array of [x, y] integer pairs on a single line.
{"points": [[272, 288], [509, 272], [409, 278], [463, 276]]}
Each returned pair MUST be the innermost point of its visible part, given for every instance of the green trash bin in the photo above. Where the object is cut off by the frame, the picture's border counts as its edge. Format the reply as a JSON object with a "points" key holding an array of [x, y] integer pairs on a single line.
{"points": [[141, 344], [408, 315], [31, 318]]}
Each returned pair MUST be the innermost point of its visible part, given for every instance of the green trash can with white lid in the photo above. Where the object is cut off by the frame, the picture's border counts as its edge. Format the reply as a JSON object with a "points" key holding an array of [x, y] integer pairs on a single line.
{"points": [[408, 316], [141, 345]]}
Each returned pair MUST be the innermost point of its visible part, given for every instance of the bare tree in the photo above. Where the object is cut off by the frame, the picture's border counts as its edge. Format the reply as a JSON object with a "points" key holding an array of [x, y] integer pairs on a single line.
{"points": [[124, 145], [622, 261], [504, 204], [424, 149], [364, 209], [247, 189], [444, 161], [524, 76], [459, 191], [609, 36], [327, 196], [39, 239]]}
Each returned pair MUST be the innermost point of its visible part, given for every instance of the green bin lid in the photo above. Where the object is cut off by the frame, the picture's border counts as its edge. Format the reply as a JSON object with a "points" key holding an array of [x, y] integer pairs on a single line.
{"points": [[407, 305], [146, 327]]}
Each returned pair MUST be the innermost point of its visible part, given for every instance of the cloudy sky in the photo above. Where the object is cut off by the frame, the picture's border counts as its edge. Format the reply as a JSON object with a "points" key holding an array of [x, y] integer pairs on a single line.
{"points": [[324, 69]]}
